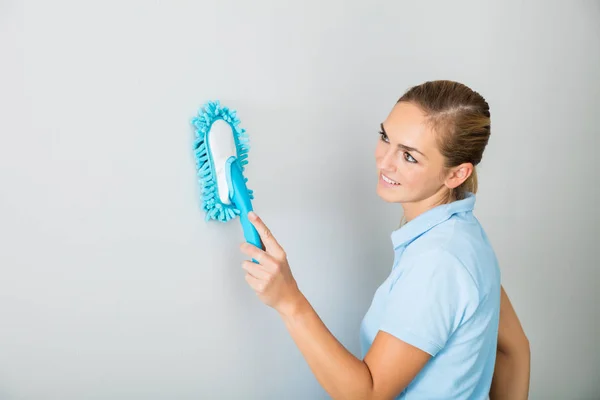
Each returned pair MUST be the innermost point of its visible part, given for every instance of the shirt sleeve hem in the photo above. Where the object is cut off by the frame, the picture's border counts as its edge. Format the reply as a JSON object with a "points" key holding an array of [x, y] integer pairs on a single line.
{"points": [[414, 340]]}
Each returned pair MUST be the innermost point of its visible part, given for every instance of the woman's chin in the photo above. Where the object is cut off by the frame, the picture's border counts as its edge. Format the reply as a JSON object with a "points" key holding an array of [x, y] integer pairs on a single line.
{"points": [[389, 195]]}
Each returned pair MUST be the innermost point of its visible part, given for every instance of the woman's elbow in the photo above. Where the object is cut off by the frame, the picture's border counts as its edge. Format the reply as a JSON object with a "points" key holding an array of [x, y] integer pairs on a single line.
{"points": [[517, 345], [522, 348], [526, 347]]}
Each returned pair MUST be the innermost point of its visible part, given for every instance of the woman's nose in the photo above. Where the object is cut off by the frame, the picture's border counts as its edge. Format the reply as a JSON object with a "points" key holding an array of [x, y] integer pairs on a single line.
{"points": [[385, 161]]}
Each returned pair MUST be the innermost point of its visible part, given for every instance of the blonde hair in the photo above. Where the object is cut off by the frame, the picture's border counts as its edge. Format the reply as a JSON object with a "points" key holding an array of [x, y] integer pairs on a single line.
{"points": [[461, 118]]}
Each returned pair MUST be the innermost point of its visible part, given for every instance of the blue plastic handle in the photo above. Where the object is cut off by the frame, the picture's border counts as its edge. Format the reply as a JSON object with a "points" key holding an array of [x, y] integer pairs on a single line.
{"points": [[238, 194]]}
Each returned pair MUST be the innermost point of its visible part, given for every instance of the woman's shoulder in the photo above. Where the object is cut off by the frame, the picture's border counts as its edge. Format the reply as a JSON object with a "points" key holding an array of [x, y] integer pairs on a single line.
{"points": [[458, 245], [461, 238], [432, 255]]}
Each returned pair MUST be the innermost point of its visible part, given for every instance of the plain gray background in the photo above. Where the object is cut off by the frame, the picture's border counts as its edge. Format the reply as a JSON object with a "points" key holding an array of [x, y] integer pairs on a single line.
{"points": [[112, 285]]}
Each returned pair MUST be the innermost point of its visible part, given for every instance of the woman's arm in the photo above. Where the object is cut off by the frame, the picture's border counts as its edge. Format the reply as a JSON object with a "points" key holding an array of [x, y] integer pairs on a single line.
{"points": [[388, 367], [511, 375]]}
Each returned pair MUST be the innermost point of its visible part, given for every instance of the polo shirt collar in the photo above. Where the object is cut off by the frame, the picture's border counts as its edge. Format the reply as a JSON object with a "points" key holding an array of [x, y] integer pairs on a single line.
{"points": [[430, 218]]}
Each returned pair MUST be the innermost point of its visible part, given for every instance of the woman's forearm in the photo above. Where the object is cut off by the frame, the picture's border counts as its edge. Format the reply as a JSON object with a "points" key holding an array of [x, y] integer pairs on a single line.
{"points": [[340, 373], [513, 356], [511, 376]]}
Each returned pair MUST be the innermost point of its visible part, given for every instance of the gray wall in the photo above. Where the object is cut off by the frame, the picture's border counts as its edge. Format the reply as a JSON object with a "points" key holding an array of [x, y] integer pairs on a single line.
{"points": [[112, 286]]}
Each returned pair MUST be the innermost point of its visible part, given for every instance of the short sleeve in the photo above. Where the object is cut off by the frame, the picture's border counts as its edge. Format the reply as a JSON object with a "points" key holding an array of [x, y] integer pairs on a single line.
{"points": [[429, 300]]}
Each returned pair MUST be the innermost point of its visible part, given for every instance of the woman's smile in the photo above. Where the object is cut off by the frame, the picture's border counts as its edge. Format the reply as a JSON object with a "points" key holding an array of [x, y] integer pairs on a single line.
{"points": [[387, 182]]}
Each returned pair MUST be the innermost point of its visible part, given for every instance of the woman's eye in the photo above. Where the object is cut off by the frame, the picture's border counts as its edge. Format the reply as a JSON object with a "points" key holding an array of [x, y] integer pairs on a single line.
{"points": [[383, 137], [409, 158]]}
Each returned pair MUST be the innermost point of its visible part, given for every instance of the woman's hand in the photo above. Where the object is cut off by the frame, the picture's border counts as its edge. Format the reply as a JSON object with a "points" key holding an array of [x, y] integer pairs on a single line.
{"points": [[271, 277]]}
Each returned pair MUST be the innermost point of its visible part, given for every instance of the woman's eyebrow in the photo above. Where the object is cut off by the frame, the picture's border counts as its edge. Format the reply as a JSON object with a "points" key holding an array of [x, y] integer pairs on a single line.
{"points": [[402, 146]]}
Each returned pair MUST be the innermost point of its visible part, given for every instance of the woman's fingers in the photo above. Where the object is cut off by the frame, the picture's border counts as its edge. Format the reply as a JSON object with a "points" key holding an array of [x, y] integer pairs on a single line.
{"points": [[256, 270], [261, 256], [266, 236], [270, 276], [256, 284]]}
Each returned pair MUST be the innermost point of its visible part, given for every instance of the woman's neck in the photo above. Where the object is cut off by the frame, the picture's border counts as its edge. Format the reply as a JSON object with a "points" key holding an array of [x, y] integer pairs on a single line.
{"points": [[413, 209]]}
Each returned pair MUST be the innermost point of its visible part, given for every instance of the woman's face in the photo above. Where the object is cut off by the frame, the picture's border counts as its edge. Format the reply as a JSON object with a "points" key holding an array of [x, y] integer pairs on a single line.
{"points": [[411, 168]]}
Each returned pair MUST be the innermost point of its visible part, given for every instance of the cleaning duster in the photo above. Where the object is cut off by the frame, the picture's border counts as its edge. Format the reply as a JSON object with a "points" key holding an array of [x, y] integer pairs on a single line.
{"points": [[221, 152]]}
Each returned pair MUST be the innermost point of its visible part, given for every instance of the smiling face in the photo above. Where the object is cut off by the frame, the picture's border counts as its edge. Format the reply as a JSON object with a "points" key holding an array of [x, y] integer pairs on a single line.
{"points": [[411, 167]]}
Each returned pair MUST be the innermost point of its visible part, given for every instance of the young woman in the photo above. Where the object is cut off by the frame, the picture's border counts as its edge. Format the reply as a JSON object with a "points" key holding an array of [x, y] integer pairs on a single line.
{"points": [[440, 326]]}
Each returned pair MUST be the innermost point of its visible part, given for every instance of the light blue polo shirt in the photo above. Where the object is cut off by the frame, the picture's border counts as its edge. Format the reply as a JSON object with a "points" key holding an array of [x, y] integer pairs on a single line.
{"points": [[442, 296]]}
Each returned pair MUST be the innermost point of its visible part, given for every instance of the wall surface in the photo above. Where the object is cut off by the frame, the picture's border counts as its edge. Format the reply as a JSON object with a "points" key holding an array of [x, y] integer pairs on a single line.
{"points": [[112, 285]]}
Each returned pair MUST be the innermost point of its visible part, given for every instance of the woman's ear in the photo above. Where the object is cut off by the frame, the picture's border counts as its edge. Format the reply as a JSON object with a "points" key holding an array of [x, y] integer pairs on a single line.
{"points": [[458, 175]]}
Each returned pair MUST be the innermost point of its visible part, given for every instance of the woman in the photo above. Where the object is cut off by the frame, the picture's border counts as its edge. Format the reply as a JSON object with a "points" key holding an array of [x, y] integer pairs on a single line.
{"points": [[435, 329]]}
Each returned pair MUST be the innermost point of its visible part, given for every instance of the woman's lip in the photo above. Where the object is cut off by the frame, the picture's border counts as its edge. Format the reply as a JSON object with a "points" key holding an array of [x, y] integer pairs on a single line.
{"points": [[386, 184]]}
